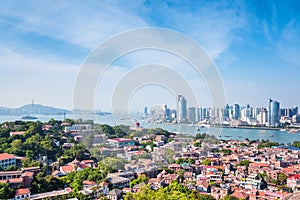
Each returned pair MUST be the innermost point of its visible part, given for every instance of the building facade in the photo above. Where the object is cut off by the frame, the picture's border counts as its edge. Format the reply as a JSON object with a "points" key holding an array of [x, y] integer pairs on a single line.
{"points": [[274, 109]]}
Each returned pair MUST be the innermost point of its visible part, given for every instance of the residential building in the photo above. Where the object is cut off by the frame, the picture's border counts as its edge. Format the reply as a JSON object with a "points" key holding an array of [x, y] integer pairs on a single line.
{"points": [[7, 160], [121, 142]]}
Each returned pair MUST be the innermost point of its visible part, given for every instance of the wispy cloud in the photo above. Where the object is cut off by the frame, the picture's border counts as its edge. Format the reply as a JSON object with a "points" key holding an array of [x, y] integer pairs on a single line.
{"points": [[214, 25], [82, 23], [13, 60], [288, 44]]}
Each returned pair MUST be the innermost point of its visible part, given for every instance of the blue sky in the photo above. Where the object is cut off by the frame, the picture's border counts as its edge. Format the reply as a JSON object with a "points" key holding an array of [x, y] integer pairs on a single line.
{"points": [[255, 45]]}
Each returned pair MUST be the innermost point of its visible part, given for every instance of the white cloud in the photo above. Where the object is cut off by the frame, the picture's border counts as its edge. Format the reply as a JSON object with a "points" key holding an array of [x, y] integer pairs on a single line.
{"points": [[14, 60], [85, 24], [213, 26], [288, 44]]}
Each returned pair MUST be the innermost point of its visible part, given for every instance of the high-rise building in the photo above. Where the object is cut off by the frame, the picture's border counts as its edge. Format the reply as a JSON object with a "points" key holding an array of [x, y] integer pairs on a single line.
{"points": [[145, 111], [198, 114], [236, 112], [203, 113], [274, 109], [293, 111], [181, 109], [262, 117], [226, 112], [192, 114], [246, 114]]}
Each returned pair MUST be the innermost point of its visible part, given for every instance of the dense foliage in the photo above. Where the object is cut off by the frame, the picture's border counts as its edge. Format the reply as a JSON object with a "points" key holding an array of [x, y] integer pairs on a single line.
{"points": [[173, 191]]}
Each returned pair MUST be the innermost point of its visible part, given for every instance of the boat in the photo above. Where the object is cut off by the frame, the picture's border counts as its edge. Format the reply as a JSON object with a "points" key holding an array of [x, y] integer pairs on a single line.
{"points": [[282, 129], [272, 135], [293, 130], [205, 126], [28, 117]]}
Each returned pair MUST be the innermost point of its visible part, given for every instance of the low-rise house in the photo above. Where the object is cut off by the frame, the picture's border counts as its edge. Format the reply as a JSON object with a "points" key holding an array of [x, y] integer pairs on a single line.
{"points": [[155, 183], [88, 184], [124, 174], [174, 167], [22, 193], [121, 142], [188, 176], [67, 146], [294, 182], [136, 188], [169, 178], [240, 195], [119, 182], [10, 174], [17, 133], [53, 194], [203, 186], [15, 182], [115, 194]]}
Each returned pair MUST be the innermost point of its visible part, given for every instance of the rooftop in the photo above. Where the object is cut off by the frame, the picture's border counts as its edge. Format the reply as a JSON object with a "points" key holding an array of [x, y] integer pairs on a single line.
{"points": [[5, 156], [22, 191]]}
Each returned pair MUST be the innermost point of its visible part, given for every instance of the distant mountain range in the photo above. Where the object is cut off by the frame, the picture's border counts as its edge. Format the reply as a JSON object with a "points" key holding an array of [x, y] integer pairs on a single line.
{"points": [[38, 109], [35, 109]]}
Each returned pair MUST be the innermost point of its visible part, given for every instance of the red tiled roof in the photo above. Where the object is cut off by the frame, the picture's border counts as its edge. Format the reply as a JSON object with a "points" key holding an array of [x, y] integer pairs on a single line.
{"points": [[68, 189], [22, 191], [17, 133], [87, 161], [83, 166], [86, 182], [240, 195], [67, 168], [29, 174], [174, 165], [65, 124], [259, 164], [5, 156], [295, 176], [15, 180]]}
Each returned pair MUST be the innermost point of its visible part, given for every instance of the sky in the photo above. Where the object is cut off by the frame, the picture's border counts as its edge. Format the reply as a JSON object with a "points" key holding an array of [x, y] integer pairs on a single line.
{"points": [[255, 46]]}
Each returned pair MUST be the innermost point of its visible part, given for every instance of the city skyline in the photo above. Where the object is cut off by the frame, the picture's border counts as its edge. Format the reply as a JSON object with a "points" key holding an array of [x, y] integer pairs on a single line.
{"points": [[236, 115], [254, 46]]}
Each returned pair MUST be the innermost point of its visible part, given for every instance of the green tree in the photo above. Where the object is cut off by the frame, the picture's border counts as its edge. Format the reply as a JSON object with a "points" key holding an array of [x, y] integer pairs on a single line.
{"points": [[197, 144], [17, 147], [140, 179], [229, 197], [282, 178], [113, 164], [206, 162], [296, 144], [5, 191], [244, 163], [77, 185]]}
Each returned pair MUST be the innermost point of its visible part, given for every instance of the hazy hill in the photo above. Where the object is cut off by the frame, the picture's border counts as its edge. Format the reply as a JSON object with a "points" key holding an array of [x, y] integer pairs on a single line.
{"points": [[35, 109]]}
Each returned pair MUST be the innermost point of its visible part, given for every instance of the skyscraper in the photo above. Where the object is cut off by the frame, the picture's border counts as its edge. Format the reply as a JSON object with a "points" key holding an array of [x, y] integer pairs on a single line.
{"points": [[274, 108], [226, 112], [198, 114], [236, 111], [262, 117], [181, 109], [192, 114]]}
